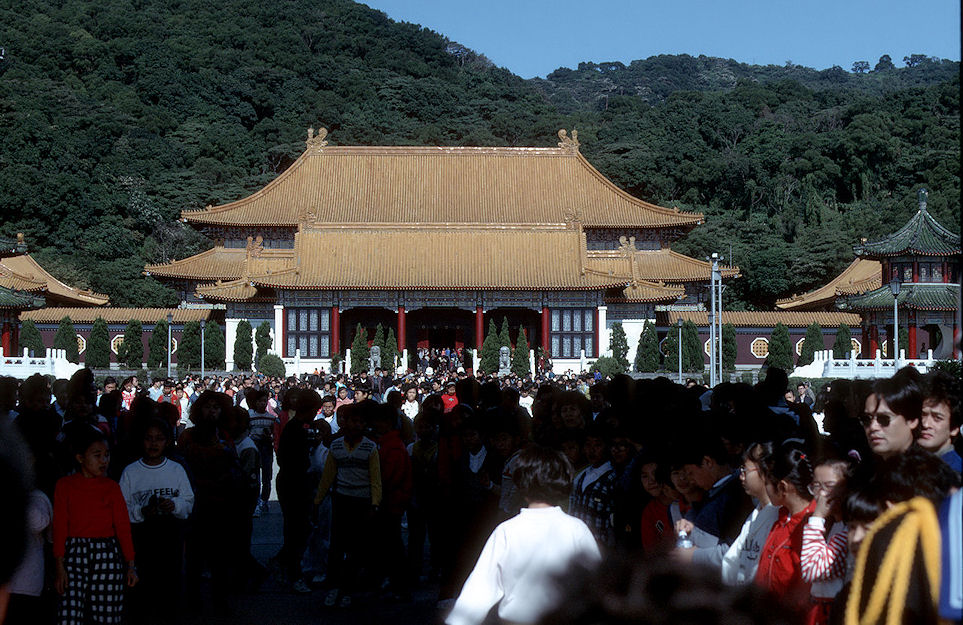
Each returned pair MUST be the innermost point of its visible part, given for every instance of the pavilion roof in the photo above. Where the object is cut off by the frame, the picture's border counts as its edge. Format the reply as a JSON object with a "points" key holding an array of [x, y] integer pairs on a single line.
{"points": [[222, 263], [860, 276], [921, 296], [922, 235], [115, 315], [653, 265], [364, 257], [24, 273], [763, 319], [442, 185], [19, 300]]}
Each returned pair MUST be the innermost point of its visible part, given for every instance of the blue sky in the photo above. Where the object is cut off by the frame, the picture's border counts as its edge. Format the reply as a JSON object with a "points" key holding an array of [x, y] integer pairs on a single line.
{"points": [[535, 37]]}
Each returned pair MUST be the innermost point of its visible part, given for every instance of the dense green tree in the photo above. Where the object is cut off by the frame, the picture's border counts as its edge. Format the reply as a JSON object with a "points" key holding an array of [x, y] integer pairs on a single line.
{"points": [[692, 353], [504, 336], [97, 355], [243, 346], [262, 339], [647, 352], [157, 346], [66, 339], [730, 348], [131, 351], [30, 339], [885, 64], [904, 342], [843, 344], [360, 351], [271, 365], [607, 366], [215, 347], [780, 349], [189, 349], [619, 345], [811, 344], [488, 358], [671, 350], [389, 355], [520, 363]]}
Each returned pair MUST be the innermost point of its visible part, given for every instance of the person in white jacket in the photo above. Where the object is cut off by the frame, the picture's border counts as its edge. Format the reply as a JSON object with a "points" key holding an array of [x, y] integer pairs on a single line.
{"points": [[742, 558], [159, 500], [519, 564]]}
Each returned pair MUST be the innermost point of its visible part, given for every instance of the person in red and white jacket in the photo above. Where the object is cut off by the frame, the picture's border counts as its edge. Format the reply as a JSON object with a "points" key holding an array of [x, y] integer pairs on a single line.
{"points": [[825, 558]]}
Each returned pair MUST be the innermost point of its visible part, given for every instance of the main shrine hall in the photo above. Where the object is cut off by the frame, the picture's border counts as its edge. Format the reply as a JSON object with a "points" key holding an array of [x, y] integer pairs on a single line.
{"points": [[435, 242]]}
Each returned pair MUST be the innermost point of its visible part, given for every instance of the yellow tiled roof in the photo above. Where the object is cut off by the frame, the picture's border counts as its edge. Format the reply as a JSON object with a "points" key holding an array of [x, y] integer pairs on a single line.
{"points": [[221, 263], [233, 291], [25, 274], [650, 292], [860, 276], [359, 257], [115, 315], [655, 265], [442, 185], [768, 319]]}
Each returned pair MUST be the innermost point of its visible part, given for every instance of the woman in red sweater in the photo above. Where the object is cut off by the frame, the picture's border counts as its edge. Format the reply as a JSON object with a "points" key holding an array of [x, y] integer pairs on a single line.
{"points": [[91, 529], [788, 473]]}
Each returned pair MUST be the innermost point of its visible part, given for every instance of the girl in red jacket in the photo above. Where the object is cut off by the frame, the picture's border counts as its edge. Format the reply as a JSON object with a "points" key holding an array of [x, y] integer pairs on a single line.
{"points": [[91, 530], [788, 473]]}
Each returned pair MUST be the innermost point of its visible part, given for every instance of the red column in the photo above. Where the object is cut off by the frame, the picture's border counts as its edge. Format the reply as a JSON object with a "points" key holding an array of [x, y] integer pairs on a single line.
{"points": [[479, 327], [335, 330], [885, 272], [873, 341], [545, 326], [946, 271], [911, 334], [956, 340], [916, 271], [5, 339], [866, 339], [402, 328]]}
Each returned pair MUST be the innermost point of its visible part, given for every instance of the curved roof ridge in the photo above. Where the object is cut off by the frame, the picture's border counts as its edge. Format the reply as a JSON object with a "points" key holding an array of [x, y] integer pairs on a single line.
{"points": [[922, 234], [696, 218]]}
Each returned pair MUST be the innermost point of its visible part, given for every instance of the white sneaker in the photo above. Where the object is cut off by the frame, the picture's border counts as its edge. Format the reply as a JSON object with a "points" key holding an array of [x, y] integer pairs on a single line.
{"points": [[331, 599], [300, 587]]}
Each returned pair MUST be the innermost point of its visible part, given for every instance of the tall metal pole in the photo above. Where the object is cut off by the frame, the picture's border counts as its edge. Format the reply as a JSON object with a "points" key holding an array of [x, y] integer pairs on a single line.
{"points": [[712, 322], [719, 317], [170, 322], [202, 349], [679, 325]]}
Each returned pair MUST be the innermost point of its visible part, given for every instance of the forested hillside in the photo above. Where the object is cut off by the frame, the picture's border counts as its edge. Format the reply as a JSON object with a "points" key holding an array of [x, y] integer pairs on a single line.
{"points": [[116, 115]]}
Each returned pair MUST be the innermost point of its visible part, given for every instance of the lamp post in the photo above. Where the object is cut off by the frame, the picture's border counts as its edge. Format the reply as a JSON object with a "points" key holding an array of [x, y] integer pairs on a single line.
{"points": [[894, 287], [678, 324], [203, 323], [170, 322]]}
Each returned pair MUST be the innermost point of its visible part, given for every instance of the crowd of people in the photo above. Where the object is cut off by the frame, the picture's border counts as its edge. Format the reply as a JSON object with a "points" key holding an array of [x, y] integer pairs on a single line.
{"points": [[555, 499]]}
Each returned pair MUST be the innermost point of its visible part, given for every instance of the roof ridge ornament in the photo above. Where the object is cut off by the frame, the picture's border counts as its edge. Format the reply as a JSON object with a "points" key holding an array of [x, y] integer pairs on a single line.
{"points": [[921, 196], [568, 143], [316, 141]]}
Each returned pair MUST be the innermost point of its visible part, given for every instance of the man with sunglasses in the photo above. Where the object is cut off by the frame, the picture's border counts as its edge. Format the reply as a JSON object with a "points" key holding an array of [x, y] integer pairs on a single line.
{"points": [[891, 414]]}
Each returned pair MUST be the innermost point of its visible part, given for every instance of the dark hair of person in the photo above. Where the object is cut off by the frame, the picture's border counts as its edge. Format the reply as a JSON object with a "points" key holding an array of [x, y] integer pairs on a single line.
{"points": [[701, 446], [197, 408], [941, 387], [576, 399], [82, 437], [329, 399], [902, 393], [861, 506], [759, 452], [791, 463], [307, 402], [915, 473], [543, 475], [254, 395], [163, 426]]}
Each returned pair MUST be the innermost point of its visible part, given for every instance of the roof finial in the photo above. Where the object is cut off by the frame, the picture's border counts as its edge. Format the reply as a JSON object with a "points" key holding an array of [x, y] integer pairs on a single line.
{"points": [[922, 195], [568, 143], [316, 140]]}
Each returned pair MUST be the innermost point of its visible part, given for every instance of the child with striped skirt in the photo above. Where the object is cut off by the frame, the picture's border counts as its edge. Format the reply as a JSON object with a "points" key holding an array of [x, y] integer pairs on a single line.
{"points": [[91, 530]]}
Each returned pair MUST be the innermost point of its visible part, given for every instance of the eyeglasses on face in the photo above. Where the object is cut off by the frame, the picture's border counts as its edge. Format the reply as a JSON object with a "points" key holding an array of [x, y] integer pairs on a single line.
{"points": [[816, 487], [883, 419], [743, 471]]}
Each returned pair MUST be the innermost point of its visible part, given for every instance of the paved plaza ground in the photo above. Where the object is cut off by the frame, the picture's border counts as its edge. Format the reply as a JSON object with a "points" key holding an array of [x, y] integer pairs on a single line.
{"points": [[278, 605]]}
